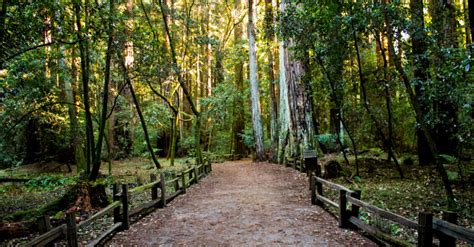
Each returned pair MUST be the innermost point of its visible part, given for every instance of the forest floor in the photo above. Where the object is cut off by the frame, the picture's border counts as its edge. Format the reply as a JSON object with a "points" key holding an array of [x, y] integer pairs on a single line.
{"points": [[242, 203]]}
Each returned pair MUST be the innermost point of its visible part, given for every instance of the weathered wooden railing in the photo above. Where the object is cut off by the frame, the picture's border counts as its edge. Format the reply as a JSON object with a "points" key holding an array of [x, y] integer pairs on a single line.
{"points": [[427, 227], [119, 208]]}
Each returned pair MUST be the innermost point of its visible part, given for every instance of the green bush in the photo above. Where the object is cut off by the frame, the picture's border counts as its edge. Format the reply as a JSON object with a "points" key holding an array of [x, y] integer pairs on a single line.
{"points": [[48, 182]]}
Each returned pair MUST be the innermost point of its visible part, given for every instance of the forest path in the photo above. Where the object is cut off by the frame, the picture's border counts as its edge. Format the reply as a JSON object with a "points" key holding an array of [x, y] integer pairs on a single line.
{"points": [[242, 203]]}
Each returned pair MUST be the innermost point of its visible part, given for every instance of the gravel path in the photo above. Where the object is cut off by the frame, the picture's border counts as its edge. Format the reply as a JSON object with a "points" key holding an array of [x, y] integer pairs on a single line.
{"points": [[242, 203]]}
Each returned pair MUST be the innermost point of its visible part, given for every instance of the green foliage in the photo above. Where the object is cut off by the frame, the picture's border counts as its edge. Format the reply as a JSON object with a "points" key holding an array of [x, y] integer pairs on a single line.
{"points": [[49, 182], [247, 137], [329, 142]]}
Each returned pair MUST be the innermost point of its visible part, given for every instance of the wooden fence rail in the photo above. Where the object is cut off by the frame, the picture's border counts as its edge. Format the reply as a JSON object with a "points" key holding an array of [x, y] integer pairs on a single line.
{"points": [[120, 208], [427, 227]]}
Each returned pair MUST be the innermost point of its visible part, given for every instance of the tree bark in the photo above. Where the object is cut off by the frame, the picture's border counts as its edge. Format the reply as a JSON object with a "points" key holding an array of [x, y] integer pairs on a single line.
{"points": [[105, 99], [85, 67], [238, 124], [254, 94], [284, 109], [421, 64], [269, 36]]}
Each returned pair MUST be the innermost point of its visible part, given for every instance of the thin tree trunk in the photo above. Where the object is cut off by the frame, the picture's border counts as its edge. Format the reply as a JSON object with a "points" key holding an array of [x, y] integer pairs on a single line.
{"points": [[137, 107], [197, 137], [418, 113], [387, 142], [105, 100], [84, 54]]}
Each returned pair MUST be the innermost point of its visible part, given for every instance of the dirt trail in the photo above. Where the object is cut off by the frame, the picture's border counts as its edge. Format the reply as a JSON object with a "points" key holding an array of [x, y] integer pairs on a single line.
{"points": [[242, 203]]}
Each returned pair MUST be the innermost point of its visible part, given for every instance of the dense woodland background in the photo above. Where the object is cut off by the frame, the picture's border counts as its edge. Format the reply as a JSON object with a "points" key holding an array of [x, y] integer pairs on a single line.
{"points": [[92, 82]]}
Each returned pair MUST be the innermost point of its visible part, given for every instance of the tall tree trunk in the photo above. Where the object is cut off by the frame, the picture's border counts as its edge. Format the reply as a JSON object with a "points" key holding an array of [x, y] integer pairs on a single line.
{"points": [[300, 103], [421, 63], [71, 87], [254, 94], [238, 124], [85, 68], [269, 37], [284, 105]]}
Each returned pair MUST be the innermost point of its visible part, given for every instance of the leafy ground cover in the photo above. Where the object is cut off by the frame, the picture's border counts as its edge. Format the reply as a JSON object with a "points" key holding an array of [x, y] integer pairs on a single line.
{"points": [[50, 181], [420, 191]]}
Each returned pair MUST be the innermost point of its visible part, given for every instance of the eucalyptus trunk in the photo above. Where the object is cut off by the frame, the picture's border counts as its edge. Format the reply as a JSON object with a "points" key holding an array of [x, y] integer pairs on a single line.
{"points": [[284, 105]]}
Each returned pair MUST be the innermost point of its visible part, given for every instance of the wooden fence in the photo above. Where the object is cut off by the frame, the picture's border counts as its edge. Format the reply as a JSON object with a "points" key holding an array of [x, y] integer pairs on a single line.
{"points": [[120, 208], [427, 226]]}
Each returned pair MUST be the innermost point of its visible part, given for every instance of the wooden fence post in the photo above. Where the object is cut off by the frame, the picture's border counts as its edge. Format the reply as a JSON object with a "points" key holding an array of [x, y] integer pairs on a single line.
{"points": [[425, 229], [71, 233], [342, 209], [44, 224], [183, 181], [125, 217], [319, 191], [445, 240], [163, 189], [190, 175], [115, 191], [354, 208], [196, 174], [154, 189], [312, 187], [176, 182]]}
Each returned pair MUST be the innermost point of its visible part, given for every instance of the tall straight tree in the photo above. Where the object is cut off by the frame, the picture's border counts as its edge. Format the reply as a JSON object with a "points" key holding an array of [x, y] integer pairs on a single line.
{"points": [[269, 37], [421, 63], [254, 95], [85, 68], [299, 95], [284, 109], [108, 57], [238, 124]]}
